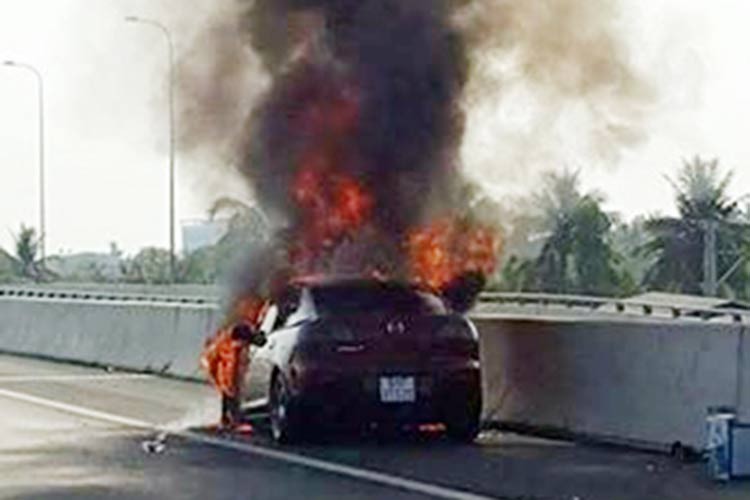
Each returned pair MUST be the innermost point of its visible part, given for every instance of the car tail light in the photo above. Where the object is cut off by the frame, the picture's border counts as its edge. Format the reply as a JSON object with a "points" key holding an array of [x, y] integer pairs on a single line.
{"points": [[453, 331], [337, 332], [330, 338], [330, 331], [456, 339]]}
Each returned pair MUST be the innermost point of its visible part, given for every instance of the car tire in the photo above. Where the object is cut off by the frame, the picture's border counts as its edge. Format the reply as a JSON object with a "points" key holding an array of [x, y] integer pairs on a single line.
{"points": [[285, 426], [464, 426], [463, 430]]}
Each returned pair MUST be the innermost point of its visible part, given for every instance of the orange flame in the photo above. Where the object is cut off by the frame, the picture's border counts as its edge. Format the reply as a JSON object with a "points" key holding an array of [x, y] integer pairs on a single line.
{"points": [[448, 249], [332, 202], [333, 205], [249, 310]]}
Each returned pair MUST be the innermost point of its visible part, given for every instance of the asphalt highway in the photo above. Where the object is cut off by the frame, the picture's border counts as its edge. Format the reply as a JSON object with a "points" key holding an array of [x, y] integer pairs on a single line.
{"points": [[73, 432]]}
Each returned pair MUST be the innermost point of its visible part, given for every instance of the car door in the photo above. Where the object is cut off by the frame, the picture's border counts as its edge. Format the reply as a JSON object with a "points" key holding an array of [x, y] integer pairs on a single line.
{"points": [[279, 340], [291, 313]]}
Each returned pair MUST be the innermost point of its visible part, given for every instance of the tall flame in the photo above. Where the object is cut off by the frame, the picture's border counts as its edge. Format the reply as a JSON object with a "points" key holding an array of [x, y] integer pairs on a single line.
{"points": [[331, 203], [447, 249]]}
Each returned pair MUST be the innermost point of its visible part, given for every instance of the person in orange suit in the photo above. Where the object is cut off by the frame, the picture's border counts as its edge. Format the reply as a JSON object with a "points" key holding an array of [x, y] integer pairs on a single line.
{"points": [[226, 360]]}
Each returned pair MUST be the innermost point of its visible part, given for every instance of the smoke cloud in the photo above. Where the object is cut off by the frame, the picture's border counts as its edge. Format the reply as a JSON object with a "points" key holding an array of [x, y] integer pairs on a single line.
{"points": [[347, 117], [220, 78], [556, 83]]}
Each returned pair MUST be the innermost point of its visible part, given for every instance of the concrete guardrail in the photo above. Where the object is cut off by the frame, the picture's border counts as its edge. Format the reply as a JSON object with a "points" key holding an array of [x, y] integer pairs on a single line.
{"points": [[637, 376]]}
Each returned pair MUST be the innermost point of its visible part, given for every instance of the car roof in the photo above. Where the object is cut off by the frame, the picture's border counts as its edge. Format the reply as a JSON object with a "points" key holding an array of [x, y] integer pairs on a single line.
{"points": [[345, 281]]}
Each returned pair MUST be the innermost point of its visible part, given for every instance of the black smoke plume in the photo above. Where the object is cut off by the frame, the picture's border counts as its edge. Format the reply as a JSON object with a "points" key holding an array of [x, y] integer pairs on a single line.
{"points": [[373, 87], [405, 64], [355, 142]]}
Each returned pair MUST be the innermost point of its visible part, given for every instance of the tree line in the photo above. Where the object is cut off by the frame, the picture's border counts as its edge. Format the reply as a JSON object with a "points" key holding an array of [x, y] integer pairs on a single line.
{"points": [[567, 243], [246, 228], [559, 239]]}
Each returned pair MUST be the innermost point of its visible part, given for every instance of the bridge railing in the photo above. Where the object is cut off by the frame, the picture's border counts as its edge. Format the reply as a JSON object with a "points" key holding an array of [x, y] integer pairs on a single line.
{"points": [[615, 305], [103, 296], [573, 303]]}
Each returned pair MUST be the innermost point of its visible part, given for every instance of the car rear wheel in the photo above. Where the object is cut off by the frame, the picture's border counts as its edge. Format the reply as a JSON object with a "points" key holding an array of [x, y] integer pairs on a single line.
{"points": [[465, 432], [285, 427], [464, 425]]}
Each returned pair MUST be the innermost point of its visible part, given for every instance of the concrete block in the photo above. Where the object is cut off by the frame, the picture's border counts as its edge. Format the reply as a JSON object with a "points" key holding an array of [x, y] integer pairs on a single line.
{"points": [[636, 381]]}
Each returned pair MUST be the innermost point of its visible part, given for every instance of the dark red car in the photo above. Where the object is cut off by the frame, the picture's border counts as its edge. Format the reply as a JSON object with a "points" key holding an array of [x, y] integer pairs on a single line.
{"points": [[357, 352]]}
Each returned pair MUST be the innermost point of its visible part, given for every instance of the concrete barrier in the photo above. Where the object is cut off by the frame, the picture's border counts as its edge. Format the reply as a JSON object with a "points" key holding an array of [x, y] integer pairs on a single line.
{"points": [[639, 382], [743, 377], [161, 336]]}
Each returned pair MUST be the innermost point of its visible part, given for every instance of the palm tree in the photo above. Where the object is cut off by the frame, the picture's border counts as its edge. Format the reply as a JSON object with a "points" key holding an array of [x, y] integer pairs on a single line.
{"points": [[27, 248], [678, 243], [576, 256], [244, 218]]}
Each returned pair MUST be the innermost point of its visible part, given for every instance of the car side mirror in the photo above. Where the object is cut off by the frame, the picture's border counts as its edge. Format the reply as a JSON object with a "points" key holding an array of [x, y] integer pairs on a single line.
{"points": [[259, 339], [269, 321]]}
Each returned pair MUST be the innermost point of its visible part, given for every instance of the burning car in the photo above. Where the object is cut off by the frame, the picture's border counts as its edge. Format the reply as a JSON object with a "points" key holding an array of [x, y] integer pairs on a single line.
{"points": [[364, 352], [352, 154]]}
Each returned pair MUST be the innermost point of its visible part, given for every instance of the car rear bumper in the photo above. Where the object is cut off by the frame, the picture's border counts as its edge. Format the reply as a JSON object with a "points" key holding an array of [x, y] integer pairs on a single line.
{"points": [[334, 398]]}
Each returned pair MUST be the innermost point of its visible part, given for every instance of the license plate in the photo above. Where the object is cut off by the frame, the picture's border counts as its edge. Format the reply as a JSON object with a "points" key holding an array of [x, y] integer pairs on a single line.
{"points": [[398, 389]]}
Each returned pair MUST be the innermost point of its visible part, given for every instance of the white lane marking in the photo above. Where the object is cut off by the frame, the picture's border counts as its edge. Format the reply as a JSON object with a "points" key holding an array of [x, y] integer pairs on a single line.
{"points": [[283, 456], [77, 410], [340, 469], [73, 378]]}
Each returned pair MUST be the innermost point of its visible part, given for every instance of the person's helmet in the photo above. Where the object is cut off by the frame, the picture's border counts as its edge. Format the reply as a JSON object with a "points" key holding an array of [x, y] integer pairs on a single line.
{"points": [[242, 331], [246, 333]]}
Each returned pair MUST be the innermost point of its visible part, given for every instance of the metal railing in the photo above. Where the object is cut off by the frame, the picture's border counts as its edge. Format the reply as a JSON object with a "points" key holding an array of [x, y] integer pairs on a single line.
{"points": [[614, 305], [103, 296], [573, 303]]}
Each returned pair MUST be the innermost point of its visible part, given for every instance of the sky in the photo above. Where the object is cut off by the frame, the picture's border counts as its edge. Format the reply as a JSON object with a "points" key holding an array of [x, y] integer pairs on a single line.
{"points": [[107, 128]]}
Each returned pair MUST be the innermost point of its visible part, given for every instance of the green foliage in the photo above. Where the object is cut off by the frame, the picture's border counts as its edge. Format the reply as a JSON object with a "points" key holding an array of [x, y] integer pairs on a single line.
{"points": [[247, 227], [200, 267], [86, 267], [701, 191], [8, 267], [26, 254], [149, 266], [626, 240], [677, 243], [517, 275], [576, 256]]}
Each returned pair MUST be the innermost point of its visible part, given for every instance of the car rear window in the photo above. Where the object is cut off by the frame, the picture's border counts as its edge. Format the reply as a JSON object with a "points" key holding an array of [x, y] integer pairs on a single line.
{"points": [[370, 298]]}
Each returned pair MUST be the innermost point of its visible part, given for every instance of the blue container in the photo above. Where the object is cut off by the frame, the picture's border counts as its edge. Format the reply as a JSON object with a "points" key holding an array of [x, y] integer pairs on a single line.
{"points": [[740, 450], [720, 423]]}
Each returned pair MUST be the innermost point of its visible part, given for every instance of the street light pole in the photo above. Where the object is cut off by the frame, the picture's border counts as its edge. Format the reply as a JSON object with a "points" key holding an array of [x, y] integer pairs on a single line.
{"points": [[710, 279], [170, 45], [40, 97]]}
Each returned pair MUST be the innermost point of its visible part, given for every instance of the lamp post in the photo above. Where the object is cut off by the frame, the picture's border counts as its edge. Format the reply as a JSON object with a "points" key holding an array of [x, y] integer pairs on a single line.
{"points": [[710, 280], [170, 45], [40, 96]]}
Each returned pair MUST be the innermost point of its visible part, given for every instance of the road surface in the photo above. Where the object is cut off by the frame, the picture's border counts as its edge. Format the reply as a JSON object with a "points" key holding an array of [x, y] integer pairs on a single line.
{"points": [[74, 432]]}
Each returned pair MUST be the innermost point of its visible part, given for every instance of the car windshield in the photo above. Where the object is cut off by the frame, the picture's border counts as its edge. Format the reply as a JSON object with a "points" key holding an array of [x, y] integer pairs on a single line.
{"points": [[361, 298]]}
